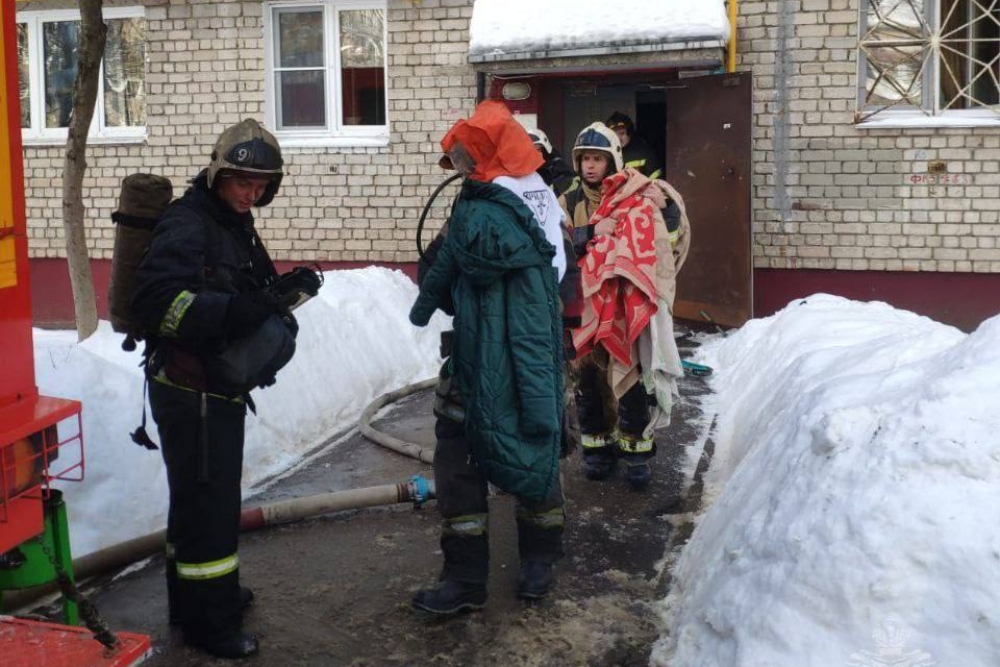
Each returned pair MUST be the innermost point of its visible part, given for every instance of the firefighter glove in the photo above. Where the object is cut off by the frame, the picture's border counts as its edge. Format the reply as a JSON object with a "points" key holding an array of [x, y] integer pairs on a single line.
{"points": [[248, 310]]}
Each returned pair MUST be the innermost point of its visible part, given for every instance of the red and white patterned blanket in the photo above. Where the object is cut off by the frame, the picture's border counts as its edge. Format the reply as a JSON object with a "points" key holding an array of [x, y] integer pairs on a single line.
{"points": [[619, 271]]}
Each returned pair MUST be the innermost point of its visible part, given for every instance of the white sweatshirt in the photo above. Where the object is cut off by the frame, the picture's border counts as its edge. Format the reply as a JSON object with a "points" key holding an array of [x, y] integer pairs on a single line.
{"points": [[543, 203]]}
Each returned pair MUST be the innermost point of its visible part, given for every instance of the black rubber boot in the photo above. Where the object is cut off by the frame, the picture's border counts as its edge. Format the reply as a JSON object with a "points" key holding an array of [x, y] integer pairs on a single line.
{"points": [[232, 646], [451, 597], [637, 471], [599, 463], [536, 580], [246, 601]]}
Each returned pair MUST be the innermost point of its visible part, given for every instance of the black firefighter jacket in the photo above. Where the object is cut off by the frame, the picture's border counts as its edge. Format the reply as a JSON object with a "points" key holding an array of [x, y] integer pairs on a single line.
{"points": [[201, 254]]}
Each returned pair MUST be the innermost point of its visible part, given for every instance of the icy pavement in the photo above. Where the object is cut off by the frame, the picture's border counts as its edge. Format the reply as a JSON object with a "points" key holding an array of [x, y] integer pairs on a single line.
{"points": [[336, 591]]}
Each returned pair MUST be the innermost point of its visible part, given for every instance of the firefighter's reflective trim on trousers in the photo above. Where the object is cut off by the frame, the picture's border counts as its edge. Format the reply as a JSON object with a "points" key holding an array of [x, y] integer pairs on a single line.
{"points": [[553, 518], [591, 441], [635, 445], [175, 313], [467, 525], [170, 551], [210, 570], [162, 378]]}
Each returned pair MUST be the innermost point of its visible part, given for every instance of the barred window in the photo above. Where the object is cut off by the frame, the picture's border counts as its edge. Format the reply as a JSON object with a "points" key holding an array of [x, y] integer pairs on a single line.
{"points": [[930, 58]]}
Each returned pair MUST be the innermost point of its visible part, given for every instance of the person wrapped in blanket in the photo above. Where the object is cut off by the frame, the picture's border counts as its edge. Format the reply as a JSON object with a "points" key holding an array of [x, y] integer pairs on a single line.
{"points": [[631, 235], [500, 400]]}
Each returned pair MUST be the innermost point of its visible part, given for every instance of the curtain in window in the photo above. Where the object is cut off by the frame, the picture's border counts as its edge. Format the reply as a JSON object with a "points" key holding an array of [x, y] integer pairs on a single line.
{"points": [[362, 66], [60, 45], [23, 74], [125, 73]]}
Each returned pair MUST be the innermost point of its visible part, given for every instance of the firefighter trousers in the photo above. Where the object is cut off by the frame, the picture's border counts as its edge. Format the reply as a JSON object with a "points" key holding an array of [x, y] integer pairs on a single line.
{"points": [[201, 437], [462, 500], [598, 411]]}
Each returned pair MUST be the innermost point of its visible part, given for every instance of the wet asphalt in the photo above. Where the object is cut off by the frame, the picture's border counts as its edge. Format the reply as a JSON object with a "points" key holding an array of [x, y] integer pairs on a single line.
{"points": [[335, 590]]}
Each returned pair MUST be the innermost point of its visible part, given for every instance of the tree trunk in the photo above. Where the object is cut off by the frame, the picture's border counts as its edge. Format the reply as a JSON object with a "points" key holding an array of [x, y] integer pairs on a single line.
{"points": [[93, 34]]}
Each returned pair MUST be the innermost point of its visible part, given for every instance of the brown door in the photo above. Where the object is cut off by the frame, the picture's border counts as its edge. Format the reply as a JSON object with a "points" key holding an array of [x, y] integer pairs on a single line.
{"points": [[708, 162]]}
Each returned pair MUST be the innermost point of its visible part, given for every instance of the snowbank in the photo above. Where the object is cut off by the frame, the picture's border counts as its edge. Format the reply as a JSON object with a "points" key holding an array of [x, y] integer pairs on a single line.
{"points": [[518, 26], [857, 475], [355, 343]]}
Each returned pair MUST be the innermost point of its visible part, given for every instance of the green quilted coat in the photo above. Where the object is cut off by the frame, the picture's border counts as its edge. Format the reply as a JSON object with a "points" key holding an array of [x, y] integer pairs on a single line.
{"points": [[507, 349]]}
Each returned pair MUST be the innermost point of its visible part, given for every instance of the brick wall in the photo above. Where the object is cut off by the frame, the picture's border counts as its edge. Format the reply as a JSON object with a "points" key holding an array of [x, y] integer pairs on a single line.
{"points": [[828, 195], [206, 71]]}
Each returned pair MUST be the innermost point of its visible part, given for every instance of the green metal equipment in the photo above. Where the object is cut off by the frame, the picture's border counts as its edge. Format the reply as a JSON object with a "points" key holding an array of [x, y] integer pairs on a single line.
{"points": [[45, 557]]}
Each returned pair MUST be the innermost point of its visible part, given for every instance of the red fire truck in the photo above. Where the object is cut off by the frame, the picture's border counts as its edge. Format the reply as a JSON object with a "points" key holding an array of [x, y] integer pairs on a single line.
{"points": [[41, 438]]}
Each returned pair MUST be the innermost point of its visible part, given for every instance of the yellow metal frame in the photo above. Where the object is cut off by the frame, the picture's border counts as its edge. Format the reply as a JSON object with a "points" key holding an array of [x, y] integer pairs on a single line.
{"points": [[8, 260], [731, 46]]}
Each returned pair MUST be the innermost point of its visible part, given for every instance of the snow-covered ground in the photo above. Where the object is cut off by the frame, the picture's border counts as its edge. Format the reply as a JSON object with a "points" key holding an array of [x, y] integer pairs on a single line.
{"points": [[355, 343], [854, 516]]}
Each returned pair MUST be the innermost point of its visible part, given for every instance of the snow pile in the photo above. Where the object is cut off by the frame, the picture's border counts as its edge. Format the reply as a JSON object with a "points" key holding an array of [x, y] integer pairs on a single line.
{"points": [[504, 27], [355, 343], [859, 448]]}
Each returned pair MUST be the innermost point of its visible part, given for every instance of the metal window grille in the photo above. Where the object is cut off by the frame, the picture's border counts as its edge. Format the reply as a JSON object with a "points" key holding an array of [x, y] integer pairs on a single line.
{"points": [[935, 56]]}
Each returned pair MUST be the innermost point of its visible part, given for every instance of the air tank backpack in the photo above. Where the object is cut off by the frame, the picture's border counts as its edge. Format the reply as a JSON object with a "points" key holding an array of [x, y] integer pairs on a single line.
{"points": [[142, 200]]}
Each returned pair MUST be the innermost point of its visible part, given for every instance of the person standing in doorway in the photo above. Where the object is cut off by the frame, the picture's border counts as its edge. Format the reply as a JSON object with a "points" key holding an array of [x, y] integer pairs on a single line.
{"points": [[625, 342], [637, 153]]}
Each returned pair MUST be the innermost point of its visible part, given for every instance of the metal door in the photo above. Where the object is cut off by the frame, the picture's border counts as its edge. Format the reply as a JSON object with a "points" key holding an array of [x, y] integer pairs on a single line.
{"points": [[708, 162]]}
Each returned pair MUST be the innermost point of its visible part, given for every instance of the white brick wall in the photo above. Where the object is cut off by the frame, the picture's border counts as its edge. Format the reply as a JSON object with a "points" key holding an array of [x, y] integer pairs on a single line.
{"points": [[827, 195], [206, 71]]}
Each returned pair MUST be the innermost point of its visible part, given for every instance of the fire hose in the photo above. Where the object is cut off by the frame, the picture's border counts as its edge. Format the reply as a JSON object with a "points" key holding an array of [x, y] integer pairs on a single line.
{"points": [[417, 490]]}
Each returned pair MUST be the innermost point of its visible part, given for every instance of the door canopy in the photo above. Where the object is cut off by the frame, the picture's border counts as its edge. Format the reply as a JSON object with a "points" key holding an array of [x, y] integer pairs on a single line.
{"points": [[504, 30]]}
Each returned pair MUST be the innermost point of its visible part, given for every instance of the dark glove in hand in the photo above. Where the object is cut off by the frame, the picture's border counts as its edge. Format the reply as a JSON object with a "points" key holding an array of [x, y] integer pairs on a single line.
{"points": [[299, 279], [248, 310]]}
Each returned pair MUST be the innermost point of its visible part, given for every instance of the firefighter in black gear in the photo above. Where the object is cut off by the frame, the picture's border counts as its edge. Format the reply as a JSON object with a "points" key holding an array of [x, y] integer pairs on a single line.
{"points": [[555, 172], [201, 290], [638, 154]]}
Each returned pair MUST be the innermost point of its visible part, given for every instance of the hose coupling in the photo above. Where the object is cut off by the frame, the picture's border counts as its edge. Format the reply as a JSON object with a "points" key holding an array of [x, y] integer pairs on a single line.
{"points": [[421, 490]]}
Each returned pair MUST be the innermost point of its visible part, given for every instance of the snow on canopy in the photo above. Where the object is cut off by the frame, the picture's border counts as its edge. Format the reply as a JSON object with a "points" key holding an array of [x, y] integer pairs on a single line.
{"points": [[506, 27]]}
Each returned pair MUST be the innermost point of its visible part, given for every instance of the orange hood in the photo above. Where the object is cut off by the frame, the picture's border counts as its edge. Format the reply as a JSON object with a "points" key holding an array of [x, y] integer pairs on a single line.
{"points": [[497, 142]]}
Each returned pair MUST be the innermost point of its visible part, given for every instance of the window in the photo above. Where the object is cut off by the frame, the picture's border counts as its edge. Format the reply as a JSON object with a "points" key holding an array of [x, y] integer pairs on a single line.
{"points": [[326, 81], [930, 59], [47, 45]]}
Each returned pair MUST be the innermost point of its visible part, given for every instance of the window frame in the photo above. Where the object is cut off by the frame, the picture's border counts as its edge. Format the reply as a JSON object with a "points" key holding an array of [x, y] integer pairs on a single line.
{"points": [[929, 113], [37, 133], [336, 133]]}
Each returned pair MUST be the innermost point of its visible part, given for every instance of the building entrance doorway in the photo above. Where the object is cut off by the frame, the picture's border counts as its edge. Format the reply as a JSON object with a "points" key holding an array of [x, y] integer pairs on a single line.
{"points": [[700, 126]]}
